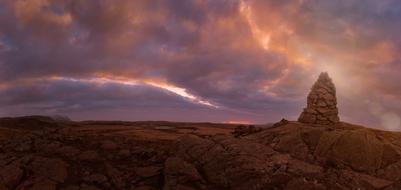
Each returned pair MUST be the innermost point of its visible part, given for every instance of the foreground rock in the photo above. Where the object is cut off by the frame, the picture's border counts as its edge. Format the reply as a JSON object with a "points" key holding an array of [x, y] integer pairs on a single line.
{"points": [[291, 156], [288, 155], [48, 159], [243, 130]]}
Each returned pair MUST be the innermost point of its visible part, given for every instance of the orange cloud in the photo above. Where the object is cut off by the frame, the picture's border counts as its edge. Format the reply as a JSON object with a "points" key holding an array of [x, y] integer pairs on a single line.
{"points": [[28, 11]]}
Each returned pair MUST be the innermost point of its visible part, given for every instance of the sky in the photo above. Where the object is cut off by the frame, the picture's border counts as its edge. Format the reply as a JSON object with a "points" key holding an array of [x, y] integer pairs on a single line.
{"points": [[234, 61]]}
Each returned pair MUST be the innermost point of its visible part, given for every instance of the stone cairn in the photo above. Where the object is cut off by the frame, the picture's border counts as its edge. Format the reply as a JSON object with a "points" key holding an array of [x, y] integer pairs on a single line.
{"points": [[322, 103]]}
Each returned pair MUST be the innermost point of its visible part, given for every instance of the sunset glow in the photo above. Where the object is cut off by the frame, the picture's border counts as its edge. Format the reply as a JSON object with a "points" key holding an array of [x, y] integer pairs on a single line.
{"points": [[239, 60]]}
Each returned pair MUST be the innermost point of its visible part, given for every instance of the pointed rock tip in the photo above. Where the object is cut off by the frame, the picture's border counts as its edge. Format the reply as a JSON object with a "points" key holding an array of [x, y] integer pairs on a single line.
{"points": [[324, 74]]}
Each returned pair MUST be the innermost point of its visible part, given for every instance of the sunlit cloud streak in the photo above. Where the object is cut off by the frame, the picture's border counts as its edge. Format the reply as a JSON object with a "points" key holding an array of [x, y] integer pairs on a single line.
{"points": [[247, 60]]}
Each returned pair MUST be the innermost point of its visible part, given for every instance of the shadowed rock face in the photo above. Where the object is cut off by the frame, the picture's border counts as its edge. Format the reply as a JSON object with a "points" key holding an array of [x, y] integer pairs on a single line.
{"points": [[292, 155], [288, 155], [321, 104]]}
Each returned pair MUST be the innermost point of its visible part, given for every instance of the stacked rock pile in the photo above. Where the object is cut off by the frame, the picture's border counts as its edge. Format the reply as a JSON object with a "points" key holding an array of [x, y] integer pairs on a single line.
{"points": [[322, 103]]}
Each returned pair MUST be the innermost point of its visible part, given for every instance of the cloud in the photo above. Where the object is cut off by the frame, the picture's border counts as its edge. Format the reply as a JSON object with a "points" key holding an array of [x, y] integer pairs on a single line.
{"points": [[254, 57], [107, 99]]}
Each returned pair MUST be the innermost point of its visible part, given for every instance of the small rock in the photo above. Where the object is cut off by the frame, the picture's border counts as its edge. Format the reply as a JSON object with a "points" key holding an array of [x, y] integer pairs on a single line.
{"points": [[73, 187], [88, 187], [23, 147], [281, 123], [108, 145], [68, 151], [49, 168], [143, 188], [302, 183], [124, 153], [115, 176], [96, 178], [147, 171], [89, 155], [11, 175], [38, 184], [178, 171], [243, 130]]}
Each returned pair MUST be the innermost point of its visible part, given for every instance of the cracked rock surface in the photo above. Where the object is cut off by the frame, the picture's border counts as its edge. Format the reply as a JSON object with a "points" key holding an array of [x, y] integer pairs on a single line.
{"points": [[170, 156], [290, 156]]}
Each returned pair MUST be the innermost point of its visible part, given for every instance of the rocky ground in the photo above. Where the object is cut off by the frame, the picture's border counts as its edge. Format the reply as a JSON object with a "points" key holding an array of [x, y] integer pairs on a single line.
{"points": [[40, 153]]}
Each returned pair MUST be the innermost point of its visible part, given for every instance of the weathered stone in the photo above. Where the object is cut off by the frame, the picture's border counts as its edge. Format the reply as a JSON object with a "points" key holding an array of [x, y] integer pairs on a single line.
{"points": [[124, 153], [308, 117], [108, 145], [225, 162], [49, 168], [312, 111], [243, 130], [88, 187], [321, 103], [144, 188], [303, 183], [72, 187], [10, 175], [96, 178], [115, 176], [89, 155], [149, 171], [45, 184], [179, 173], [68, 151], [281, 123], [323, 110]]}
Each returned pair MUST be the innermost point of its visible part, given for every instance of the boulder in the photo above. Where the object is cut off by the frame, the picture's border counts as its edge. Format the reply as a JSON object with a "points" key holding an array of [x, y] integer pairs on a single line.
{"points": [[89, 155], [49, 168], [11, 175]]}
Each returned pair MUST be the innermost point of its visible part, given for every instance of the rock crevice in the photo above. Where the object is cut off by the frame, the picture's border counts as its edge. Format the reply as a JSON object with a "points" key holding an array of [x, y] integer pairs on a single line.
{"points": [[321, 106]]}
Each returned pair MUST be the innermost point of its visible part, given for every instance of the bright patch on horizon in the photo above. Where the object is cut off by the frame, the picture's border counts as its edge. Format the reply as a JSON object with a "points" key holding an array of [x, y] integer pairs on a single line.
{"points": [[243, 122]]}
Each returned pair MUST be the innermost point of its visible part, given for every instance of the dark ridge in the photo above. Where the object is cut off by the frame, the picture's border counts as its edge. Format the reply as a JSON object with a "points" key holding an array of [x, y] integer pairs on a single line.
{"points": [[29, 122]]}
